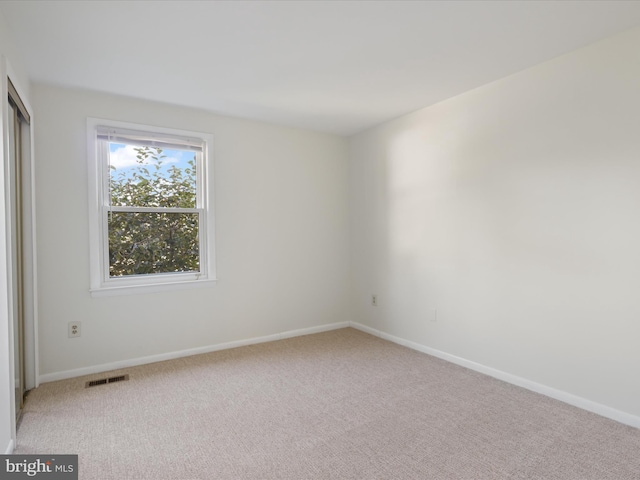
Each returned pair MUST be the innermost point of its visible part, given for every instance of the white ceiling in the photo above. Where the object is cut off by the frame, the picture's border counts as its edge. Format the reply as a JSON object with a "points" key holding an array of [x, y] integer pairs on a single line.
{"points": [[333, 66]]}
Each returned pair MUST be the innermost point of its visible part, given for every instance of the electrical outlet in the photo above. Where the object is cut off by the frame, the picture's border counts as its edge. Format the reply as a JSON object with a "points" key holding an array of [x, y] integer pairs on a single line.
{"points": [[74, 329], [374, 300]]}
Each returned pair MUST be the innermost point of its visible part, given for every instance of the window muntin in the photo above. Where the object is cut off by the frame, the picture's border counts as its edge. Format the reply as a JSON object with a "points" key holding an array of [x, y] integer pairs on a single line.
{"points": [[153, 213]]}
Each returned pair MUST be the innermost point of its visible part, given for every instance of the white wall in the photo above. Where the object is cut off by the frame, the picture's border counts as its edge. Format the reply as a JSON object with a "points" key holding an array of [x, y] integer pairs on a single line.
{"points": [[514, 211], [9, 65], [282, 237]]}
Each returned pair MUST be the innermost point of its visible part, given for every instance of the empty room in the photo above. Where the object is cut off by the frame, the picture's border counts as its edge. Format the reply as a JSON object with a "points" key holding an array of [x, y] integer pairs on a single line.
{"points": [[320, 240]]}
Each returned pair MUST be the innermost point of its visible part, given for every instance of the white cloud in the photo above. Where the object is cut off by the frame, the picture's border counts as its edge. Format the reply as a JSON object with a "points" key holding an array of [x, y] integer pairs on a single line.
{"points": [[126, 156], [123, 157]]}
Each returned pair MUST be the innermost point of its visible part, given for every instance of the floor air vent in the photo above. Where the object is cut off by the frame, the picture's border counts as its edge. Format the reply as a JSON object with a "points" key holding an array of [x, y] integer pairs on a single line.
{"points": [[104, 381]]}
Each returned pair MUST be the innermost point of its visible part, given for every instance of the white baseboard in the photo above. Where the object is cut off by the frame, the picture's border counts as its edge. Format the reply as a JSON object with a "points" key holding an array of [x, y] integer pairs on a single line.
{"points": [[134, 362], [576, 401], [10, 447], [580, 402]]}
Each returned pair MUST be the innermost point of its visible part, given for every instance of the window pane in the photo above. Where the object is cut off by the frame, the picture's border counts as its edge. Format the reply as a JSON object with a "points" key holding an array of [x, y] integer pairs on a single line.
{"points": [[151, 177], [146, 243]]}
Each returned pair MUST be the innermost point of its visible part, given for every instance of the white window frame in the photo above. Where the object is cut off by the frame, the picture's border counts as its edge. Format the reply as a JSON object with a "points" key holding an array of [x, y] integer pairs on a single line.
{"points": [[101, 284]]}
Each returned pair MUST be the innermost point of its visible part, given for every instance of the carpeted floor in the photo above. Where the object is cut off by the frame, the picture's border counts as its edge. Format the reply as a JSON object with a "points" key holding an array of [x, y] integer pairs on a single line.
{"points": [[340, 404]]}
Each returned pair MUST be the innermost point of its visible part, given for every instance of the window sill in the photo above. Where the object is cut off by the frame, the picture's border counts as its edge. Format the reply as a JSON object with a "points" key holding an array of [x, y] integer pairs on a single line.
{"points": [[112, 291]]}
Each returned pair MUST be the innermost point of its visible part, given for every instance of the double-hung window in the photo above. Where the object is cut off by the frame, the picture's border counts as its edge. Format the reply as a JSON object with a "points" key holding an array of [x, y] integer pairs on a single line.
{"points": [[151, 213]]}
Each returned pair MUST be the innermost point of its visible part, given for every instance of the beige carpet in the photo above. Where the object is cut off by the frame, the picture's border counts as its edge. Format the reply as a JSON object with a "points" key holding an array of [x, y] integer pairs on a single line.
{"points": [[341, 404]]}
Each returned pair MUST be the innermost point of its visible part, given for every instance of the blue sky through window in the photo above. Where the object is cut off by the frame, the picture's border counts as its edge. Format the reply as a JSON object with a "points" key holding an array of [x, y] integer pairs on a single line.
{"points": [[124, 158]]}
